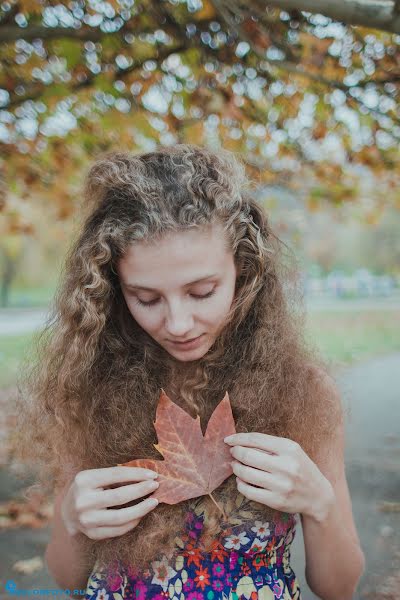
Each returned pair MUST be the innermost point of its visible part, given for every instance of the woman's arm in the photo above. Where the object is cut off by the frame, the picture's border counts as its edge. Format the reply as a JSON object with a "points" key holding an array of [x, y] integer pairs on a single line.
{"points": [[334, 558], [277, 472], [63, 556]]}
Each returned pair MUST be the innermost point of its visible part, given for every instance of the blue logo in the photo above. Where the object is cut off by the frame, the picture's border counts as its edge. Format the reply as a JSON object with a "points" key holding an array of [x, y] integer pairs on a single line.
{"points": [[11, 588]]}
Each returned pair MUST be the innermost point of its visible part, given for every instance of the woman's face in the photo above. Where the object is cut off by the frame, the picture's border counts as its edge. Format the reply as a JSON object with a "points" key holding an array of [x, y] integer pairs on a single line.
{"points": [[180, 288]]}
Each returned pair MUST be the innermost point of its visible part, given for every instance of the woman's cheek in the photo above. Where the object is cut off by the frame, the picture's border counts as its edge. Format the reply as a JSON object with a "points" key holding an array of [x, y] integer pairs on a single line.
{"points": [[216, 313], [139, 314]]}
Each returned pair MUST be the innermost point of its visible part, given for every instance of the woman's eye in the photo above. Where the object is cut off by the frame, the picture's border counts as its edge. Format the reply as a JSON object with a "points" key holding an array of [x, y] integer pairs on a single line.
{"points": [[153, 302]]}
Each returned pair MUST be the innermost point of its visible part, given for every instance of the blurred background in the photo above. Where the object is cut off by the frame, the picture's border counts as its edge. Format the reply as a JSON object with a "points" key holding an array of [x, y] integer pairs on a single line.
{"points": [[307, 94]]}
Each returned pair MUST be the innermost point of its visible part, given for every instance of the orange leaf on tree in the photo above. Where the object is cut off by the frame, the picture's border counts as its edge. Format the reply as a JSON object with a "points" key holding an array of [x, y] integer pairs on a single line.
{"points": [[194, 464]]}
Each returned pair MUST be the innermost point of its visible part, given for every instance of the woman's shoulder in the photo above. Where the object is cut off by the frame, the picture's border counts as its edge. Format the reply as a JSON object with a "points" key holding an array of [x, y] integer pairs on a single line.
{"points": [[324, 382], [316, 371]]}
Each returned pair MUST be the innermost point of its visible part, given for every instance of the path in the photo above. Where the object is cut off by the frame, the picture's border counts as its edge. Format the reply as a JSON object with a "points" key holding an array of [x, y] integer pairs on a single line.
{"points": [[370, 392], [15, 321]]}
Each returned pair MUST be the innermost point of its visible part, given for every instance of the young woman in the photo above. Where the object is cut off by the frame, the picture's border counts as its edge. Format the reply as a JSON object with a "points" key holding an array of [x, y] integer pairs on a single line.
{"points": [[177, 281]]}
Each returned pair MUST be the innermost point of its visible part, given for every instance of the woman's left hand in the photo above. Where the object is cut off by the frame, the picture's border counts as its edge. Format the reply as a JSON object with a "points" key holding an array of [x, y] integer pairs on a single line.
{"points": [[288, 479]]}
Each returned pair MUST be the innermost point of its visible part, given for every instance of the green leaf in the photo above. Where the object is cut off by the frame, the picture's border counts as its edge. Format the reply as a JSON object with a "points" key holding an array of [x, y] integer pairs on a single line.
{"points": [[58, 90], [104, 83], [71, 50]]}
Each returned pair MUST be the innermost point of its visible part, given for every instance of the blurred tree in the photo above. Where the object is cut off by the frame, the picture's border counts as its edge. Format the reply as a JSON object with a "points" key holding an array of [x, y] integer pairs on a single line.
{"points": [[10, 252], [307, 102], [381, 249], [341, 241]]}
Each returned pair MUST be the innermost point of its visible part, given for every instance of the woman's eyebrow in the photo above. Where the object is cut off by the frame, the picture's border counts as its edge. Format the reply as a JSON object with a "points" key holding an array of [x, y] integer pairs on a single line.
{"points": [[142, 287]]}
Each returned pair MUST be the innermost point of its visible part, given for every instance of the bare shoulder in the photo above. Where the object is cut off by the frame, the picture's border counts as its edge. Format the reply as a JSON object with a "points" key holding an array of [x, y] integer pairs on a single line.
{"points": [[326, 387], [323, 379], [330, 453]]}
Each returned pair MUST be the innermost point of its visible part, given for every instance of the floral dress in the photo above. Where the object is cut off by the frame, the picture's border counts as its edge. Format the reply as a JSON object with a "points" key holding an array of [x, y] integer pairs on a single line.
{"points": [[249, 560]]}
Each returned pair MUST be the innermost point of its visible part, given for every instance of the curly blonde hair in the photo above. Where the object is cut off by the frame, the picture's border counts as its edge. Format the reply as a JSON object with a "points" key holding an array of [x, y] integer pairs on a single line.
{"points": [[88, 399]]}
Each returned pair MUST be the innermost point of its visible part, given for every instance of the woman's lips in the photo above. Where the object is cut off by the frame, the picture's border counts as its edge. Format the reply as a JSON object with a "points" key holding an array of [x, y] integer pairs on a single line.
{"points": [[189, 344]]}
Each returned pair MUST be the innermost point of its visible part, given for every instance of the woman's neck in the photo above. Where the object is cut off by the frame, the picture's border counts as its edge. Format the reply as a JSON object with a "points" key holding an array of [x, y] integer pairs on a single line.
{"points": [[178, 374]]}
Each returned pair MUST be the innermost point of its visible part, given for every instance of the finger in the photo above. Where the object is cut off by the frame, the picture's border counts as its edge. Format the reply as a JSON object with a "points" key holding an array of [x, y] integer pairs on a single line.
{"points": [[258, 459], [101, 533], [267, 497], [96, 499], [273, 483], [95, 478], [125, 494], [263, 441], [101, 518]]}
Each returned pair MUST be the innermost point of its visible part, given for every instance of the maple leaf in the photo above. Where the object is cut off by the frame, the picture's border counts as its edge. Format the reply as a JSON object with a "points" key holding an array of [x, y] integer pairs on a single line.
{"points": [[194, 464]]}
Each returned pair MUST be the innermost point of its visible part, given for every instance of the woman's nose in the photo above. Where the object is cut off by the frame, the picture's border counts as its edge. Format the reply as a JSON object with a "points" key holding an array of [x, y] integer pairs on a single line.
{"points": [[179, 322]]}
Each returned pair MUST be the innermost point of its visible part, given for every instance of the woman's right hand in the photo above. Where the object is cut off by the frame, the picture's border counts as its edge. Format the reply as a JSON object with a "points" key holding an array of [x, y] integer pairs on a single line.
{"points": [[85, 504]]}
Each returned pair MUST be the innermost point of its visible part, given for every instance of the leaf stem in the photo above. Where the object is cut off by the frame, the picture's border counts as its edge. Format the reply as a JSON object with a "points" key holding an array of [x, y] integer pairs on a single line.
{"points": [[218, 506]]}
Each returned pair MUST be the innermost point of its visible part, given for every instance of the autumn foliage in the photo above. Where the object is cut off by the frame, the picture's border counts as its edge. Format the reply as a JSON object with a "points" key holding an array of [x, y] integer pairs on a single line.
{"points": [[307, 102]]}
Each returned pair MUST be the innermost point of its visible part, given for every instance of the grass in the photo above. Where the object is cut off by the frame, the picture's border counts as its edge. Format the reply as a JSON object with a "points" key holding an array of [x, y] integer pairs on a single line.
{"points": [[12, 350], [344, 337], [35, 297]]}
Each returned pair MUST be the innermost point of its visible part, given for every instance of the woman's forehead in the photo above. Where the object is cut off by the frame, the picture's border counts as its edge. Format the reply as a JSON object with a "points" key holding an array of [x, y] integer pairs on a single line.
{"points": [[191, 254]]}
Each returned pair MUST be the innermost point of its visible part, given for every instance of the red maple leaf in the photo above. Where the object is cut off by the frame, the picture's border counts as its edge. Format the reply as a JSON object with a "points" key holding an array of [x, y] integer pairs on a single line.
{"points": [[194, 464]]}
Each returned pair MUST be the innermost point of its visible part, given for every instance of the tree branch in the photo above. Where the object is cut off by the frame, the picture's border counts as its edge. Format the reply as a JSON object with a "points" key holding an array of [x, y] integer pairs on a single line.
{"points": [[11, 33], [377, 14]]}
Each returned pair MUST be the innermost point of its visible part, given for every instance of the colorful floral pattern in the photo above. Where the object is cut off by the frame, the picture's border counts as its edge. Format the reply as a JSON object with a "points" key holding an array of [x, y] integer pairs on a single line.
{"points": [[249, 560]]}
